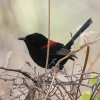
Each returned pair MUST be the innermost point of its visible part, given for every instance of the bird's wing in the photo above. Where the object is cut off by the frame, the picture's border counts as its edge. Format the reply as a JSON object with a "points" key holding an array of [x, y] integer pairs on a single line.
{"points": [[54, 48], [63, 52]]}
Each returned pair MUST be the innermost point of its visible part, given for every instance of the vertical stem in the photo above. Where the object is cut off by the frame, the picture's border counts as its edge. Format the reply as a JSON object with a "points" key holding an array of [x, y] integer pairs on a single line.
{"points": [[83, 70], [48, 36], [46, 65]]}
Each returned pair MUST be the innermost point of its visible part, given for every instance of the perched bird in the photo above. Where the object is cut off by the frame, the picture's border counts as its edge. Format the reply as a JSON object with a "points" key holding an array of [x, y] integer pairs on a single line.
{"points": [[37, 47]]}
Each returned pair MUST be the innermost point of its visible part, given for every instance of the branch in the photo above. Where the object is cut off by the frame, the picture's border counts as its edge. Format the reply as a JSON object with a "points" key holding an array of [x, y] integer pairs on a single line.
{"points": [[26, 74], [84, 67], [75, 51]]}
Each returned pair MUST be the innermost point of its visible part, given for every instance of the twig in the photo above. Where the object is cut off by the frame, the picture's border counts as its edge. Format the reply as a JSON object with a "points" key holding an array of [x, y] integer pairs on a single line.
{"points": [[47, 45], [6, 79], [21, 72], [75, 51], [50, 87], [86, 73], [92, 95], [84, 67], [65, 89]]}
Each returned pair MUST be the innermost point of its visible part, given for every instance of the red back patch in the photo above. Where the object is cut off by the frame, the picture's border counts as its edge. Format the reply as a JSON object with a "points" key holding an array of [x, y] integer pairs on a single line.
{"points": [[51, 43]]}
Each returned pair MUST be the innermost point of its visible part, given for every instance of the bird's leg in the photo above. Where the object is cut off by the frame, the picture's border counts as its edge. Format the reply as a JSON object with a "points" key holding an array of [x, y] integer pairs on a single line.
{"points": [[53, 62]]}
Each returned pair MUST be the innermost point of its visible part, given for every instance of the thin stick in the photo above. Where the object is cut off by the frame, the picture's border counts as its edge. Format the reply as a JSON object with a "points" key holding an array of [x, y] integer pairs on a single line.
{"points": [[72, 52], [75, 51], [84, 67], [26, 74], [48, 36], [47, 58]]}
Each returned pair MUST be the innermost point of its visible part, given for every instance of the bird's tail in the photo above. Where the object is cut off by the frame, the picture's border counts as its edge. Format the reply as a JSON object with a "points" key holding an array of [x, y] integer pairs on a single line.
{"points": [[83, 28]]}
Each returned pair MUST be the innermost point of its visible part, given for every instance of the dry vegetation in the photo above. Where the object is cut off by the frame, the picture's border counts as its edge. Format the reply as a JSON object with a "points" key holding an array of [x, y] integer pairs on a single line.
{"points": [[47, 86], [24, 85]]}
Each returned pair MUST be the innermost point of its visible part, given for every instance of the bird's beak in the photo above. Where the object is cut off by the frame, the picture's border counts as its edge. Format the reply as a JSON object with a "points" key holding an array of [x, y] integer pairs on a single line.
{"points": [[21, 38]]}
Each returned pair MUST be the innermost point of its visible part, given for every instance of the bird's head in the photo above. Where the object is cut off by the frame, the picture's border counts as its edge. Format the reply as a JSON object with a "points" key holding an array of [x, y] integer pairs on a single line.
{"points": [[34, 40]]}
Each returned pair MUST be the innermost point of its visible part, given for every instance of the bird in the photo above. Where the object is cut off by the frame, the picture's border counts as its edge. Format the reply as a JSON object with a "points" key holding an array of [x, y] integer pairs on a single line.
{"points": [[36, 44]]}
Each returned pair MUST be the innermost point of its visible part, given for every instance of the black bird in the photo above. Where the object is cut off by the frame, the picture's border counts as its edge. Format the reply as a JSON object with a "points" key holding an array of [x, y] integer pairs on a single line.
{"points": [[37, 46]]}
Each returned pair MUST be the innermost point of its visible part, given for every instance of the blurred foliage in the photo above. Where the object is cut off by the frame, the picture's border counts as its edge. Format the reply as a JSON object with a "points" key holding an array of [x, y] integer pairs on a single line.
{"points": [[86, 96], [93, 80]]}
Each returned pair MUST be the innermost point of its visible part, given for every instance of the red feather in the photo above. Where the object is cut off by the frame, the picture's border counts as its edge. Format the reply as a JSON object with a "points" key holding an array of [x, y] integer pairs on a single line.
{"points": [[51, 43]]}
